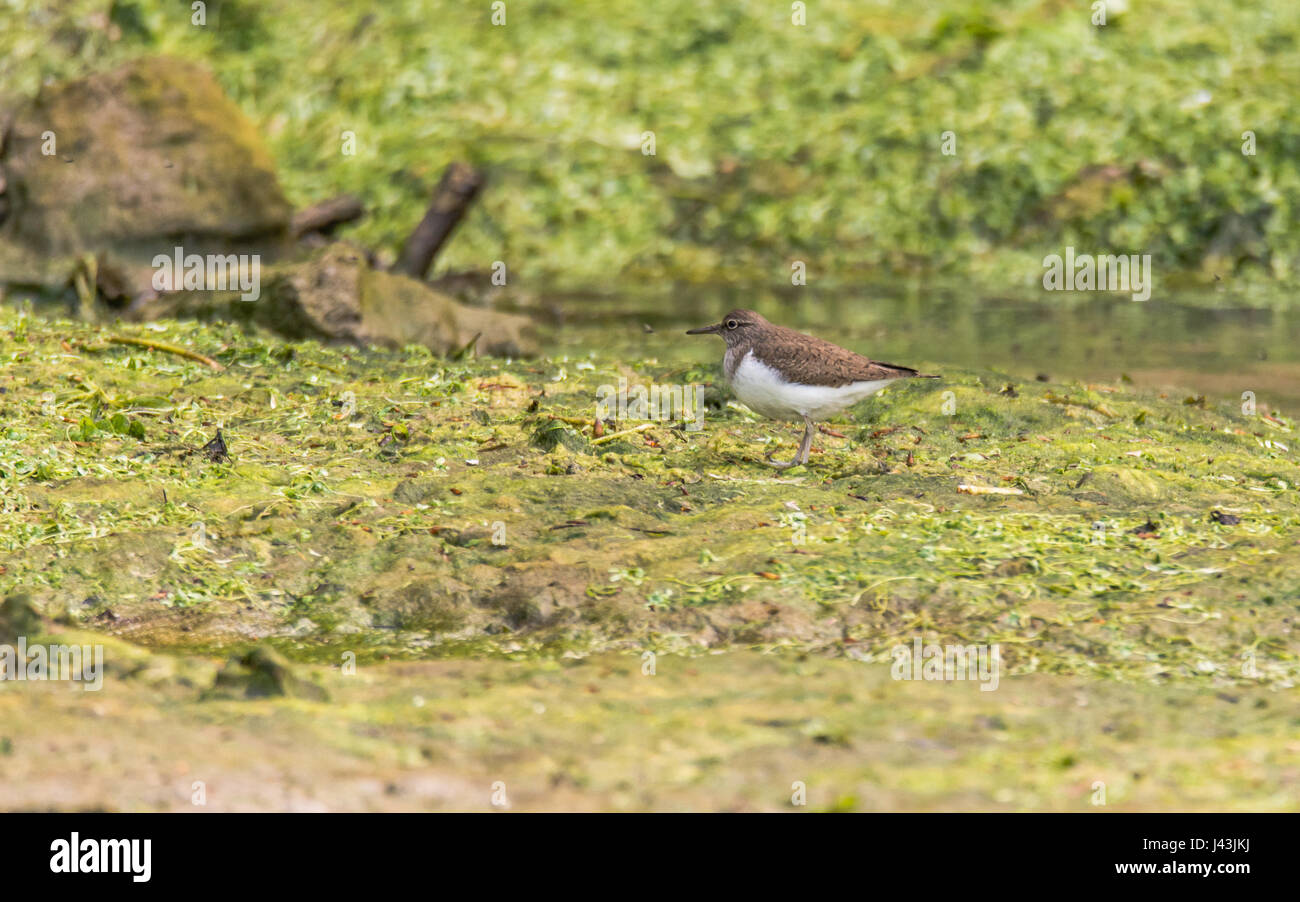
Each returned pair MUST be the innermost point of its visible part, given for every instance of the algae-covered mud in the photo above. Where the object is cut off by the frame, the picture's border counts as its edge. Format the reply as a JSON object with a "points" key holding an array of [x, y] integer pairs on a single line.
{"points": [[444, 554], [732, 732]]}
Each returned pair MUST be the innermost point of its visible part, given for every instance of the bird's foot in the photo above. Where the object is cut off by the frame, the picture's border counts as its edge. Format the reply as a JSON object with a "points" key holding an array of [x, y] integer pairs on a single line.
{"points": [[801, 456], [781, 464]]}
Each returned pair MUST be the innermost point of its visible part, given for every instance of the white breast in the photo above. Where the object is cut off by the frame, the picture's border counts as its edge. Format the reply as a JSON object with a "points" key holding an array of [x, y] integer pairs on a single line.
{"points": [[761, 389]]}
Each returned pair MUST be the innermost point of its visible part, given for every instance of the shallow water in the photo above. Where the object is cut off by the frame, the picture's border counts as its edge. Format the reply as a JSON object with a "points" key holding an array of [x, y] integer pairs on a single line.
{"points": [[1219, 344]]}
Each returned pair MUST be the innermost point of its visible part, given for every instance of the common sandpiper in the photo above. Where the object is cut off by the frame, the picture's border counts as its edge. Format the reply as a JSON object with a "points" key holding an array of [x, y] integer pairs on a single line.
{"points": [[786, 375]]}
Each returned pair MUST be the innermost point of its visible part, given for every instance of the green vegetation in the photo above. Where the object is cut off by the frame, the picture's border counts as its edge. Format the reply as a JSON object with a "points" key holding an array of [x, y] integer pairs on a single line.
{"points": [[393, 506], [398, 578], [396, 504], [773, 142]]}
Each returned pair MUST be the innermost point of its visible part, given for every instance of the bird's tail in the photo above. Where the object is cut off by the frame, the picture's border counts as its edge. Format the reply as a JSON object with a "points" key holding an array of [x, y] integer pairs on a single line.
{"points": [[894, 371]]}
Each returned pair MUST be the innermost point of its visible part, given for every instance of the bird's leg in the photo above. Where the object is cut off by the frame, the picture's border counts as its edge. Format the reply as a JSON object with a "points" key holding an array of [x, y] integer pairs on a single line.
{"points": [[801, 457], [809, 427]]}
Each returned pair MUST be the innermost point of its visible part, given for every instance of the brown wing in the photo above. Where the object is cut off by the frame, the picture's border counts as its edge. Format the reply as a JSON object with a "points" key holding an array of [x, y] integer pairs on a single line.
{"points": [[817, 362]]}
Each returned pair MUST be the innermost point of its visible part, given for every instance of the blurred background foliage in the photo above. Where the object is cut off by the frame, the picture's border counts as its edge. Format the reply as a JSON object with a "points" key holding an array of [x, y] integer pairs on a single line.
{"points": [[773, 142]]}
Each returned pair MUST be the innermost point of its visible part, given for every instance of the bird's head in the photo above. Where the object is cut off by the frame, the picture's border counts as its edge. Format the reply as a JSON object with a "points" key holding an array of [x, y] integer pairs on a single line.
{"points": [[735, 327]]}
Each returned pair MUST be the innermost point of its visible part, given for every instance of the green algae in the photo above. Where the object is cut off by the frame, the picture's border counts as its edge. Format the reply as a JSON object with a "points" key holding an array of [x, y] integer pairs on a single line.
{"points": [[672, 624], [393, 504], [773, 142]]}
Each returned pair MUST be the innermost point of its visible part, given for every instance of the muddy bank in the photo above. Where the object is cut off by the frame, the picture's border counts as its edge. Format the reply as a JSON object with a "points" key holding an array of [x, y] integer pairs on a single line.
{"points": [[741, 731], [392, 503]]}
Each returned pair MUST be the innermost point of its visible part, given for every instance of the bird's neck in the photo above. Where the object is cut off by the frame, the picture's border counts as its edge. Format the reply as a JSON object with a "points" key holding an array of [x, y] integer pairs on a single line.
{"points": [[735, 354]]}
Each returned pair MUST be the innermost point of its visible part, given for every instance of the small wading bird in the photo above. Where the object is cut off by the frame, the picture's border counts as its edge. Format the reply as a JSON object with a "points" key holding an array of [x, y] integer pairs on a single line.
{"points": [[786, 375]]}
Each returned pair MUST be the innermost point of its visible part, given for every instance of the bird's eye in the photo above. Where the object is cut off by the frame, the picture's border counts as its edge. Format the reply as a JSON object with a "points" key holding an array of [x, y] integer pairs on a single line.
{"points": [[731, 324]]}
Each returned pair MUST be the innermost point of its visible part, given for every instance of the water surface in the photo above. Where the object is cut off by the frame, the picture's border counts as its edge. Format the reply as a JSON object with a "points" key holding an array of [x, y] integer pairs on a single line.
{"points": [[1219, 344]]}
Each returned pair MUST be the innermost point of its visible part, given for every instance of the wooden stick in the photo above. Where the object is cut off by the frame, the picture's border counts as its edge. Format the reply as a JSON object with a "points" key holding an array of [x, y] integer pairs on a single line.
{"points": [[164, 346], [455, 192], [988, 490], [327, 214], [613, 435]]}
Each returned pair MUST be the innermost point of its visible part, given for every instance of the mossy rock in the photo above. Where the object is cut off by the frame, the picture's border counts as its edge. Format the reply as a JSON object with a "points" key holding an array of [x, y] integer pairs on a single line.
{"points": [[336, 296], [437, 606], [146, 157], [415, 491], [19, 617], [554, 434], [262, 673]]}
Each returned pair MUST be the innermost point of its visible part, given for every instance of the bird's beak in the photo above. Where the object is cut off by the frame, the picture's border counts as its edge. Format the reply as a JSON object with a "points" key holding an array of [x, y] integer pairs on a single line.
{"points": [[705, 330]]}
